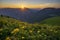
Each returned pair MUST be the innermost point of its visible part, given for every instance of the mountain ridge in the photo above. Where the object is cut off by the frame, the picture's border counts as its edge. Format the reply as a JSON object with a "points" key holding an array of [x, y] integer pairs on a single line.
{"points": [[30, 15]]}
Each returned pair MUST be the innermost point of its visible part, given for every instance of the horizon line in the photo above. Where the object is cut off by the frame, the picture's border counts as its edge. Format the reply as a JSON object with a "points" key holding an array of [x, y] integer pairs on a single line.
{"points": [[32, 8]]}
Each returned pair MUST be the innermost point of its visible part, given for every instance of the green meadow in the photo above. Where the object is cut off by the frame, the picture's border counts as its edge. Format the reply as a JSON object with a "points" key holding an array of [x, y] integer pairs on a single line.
{"points": [[12, 29]]}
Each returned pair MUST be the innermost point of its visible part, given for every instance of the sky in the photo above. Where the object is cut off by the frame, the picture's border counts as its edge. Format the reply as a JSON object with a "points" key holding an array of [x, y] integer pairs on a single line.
{"points": [[29, 3]]}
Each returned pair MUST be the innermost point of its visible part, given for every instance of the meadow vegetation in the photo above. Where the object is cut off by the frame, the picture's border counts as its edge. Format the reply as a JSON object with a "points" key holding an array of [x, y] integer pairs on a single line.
{"points": [[12, 29]]}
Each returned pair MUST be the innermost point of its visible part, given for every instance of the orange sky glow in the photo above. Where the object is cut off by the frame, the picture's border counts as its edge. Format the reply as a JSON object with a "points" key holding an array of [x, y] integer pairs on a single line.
{"points": [[29, 5]]}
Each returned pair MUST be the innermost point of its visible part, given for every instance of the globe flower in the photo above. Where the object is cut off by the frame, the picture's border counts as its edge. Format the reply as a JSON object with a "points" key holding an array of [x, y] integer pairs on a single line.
{"points": [[15, 30], [8, 38]]}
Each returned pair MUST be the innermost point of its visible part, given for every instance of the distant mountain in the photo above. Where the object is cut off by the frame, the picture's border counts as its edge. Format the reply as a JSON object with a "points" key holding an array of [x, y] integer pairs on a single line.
{"points": [[46, 13], [30, 15]]}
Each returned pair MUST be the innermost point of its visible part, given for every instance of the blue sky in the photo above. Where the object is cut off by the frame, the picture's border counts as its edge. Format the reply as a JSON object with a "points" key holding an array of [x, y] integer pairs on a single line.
{"points": [[30, 1]]}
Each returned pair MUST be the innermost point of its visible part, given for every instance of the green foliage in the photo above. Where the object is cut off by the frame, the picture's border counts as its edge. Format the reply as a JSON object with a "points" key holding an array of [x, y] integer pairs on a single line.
{"points": [[52, 21], [12, 29]]}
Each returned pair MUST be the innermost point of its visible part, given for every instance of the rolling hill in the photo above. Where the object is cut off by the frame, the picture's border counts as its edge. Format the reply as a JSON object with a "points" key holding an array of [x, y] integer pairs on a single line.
{"points": [[12, 29], [52, 21], [30, 15]]}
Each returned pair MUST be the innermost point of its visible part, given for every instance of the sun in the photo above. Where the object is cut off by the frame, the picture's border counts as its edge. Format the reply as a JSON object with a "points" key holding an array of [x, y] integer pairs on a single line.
{"points": [[22, 6]]}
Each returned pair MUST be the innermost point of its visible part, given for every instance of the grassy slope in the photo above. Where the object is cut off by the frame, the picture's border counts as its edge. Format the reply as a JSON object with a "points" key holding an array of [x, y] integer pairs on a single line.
{"points": [[12, 29], [52, 21]]}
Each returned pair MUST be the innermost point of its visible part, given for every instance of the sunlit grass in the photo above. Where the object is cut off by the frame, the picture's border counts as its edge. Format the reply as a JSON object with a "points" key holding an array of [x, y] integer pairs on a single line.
{"points": [[12, 29]]}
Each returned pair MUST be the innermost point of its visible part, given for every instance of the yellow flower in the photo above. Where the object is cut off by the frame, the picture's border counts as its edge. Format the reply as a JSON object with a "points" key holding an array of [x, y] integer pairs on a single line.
{"points": [[8, 38], [1, 29], [23, 27], [30, 31], [15, 30], [23, 37], [51, 30], [38, 31]]}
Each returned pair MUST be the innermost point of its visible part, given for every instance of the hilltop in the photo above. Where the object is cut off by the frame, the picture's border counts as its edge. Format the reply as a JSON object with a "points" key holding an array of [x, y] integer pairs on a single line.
{"points": [[52, 21]]}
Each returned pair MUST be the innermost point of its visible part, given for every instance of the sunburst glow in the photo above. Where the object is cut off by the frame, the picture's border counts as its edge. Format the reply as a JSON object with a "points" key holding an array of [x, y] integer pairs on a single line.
{"points": [[22, 6]]}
